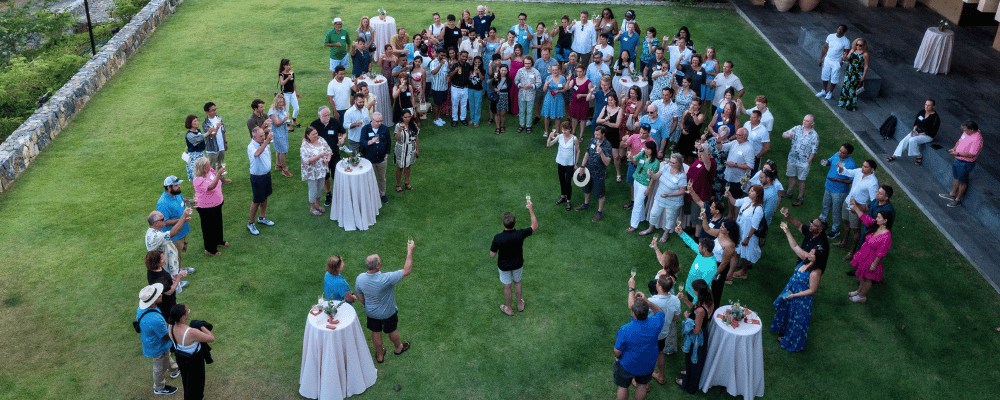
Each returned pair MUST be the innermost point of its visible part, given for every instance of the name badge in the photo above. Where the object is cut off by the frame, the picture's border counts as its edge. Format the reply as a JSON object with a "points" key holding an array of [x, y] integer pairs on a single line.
{"points": [[407, 94], [921, 118], [653, 130], [330, 132], [371, 134], [576, 87], [699, 73], [343, 38], [642, 161], [593, 146]]}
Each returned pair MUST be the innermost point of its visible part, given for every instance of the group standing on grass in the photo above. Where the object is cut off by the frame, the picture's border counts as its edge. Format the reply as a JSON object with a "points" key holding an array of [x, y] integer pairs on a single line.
{"points": [[688, 160]]}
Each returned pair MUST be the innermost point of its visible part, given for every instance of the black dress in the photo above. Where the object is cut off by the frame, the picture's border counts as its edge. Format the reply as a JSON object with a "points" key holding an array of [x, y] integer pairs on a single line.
{"points": [[403, 102], [693, 374], [685, 145]]}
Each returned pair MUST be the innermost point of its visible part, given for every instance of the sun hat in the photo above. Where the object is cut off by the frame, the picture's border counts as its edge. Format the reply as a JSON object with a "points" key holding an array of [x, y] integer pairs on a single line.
{"points": [[171, 181], [149, 294], [586, 177], [336, 20]]}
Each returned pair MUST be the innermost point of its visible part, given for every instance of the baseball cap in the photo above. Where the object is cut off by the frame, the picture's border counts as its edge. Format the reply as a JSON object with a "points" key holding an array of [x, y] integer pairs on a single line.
{"points": [[336, 20], [171, 181]]}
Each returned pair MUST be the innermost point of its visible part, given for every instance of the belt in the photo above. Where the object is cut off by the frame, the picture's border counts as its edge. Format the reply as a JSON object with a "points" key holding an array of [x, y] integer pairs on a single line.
{"points": [[258, 176], [458, 87]]}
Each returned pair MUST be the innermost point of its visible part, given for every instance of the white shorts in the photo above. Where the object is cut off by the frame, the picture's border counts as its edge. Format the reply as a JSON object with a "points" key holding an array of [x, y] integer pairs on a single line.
{"points": [[506, 277], [800, 171], [831, 71]]}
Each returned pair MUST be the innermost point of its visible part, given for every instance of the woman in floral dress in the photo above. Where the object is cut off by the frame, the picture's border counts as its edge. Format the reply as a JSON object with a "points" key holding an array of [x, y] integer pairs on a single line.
{"points": [[793, 307], [315, 154], [854, 76]]}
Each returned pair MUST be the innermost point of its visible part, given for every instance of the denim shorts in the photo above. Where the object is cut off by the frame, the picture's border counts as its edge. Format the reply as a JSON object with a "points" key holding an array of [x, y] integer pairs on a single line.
{"points": [[961, 170]]}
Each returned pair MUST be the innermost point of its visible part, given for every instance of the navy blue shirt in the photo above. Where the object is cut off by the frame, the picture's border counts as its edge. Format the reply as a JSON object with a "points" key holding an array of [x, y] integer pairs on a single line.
{"points": [[375, 152], [483, 23]]}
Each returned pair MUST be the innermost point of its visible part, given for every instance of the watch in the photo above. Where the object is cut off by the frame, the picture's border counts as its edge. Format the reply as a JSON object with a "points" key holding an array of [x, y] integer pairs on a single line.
{"points": [[631, 289]]}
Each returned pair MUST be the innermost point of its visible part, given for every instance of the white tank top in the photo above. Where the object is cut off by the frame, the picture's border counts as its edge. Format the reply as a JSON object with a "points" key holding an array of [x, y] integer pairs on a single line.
{"points": [[191, 348], [566, 155]]}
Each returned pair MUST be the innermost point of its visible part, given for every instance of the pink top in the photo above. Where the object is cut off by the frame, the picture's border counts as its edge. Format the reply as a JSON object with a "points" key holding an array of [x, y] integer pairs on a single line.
{"points": [[207, 198], [874, 246], [636, 144], [969, 144]]}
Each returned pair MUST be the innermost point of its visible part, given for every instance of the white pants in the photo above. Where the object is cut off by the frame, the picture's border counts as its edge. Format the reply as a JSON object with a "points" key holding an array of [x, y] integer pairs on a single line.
{"points": [[664, 216], [639, 203], [912, 144], [459, 102], [291, 100]]}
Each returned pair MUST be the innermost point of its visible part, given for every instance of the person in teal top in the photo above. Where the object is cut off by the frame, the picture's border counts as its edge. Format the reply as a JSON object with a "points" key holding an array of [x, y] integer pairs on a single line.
{"points": [[339, 42], [335, 287], [645, 162], [704, 266]]}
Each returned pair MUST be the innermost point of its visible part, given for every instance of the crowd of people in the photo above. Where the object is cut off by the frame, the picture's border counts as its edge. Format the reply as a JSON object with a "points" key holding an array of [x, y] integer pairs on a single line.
{"points": [[689, 163]]}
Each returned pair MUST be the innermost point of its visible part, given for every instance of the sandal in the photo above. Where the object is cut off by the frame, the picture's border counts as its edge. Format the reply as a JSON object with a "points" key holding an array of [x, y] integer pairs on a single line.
{"points": [[679, 382], [618, 179], [406, 346], [520, 305], [407, 186], [630, 229], [919, 161], [506, 310], [224, 244], [859, 299], [890, 159], [528, 131], [399, 189], [503, 130], [315, 212], [520, 129], [382, 354], [497, 131]]}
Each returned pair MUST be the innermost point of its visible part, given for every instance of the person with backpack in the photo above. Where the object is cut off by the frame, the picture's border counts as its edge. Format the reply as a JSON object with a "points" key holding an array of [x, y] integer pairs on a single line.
{"points": [[152, 328]]}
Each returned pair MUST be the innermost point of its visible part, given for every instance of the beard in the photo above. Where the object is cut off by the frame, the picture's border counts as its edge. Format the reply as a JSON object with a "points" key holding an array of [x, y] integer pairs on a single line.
{"points": [[175, 192]]}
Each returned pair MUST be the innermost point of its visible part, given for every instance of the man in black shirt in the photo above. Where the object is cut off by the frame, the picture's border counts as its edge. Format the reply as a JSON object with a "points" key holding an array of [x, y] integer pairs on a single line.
{"points": [[814, 235], [452, 35], [459, 78], [509, 244], [332, 131]]}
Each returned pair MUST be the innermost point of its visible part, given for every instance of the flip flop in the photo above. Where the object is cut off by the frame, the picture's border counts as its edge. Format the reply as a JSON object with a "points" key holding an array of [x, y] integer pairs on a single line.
{"points": [[408, 187], [506, 310], [383, 356], [399, 189], [520, 305], [225, 244], [406, 346]]}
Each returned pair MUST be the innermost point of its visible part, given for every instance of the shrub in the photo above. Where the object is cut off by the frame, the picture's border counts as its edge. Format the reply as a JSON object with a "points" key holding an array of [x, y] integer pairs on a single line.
{"points": [[23, 82], [21, 27], [126, 9]]}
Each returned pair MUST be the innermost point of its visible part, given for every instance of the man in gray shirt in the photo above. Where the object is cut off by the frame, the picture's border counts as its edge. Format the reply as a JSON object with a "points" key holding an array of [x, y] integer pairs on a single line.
{"points": [[376, 292]]}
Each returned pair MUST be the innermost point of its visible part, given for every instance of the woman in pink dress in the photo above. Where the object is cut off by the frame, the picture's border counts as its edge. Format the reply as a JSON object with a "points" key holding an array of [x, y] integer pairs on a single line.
{"points": [[516, 63], [868, 259], [579, 108]]}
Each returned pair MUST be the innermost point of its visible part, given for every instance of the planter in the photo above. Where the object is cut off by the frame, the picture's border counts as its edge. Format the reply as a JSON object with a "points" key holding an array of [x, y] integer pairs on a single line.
{"points": [[888, 3], [784, 5], [808, 5], [758, 2]]}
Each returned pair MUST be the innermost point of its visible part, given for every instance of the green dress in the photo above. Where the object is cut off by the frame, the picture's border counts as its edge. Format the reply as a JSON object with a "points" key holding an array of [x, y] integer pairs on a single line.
{"points": [[852, 81]]}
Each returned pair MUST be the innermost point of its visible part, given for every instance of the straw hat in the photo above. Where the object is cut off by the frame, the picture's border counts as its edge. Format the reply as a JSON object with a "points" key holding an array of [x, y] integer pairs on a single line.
{"points": [[586, 177], [149, 294]]}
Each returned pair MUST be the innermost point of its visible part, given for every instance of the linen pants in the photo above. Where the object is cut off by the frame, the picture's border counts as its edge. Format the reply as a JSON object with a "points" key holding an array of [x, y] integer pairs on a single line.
{"points": [[566, 181], [475, 105], [291, 100], [524, 113], [639, 207], [211, 227], [380, 176], [911, 144], [832, 201], [216, 159], [668, 214], [161, 365], [459, 103]]}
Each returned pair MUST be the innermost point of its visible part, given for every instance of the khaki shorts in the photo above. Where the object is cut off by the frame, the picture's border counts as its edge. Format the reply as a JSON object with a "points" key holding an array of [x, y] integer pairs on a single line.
{"points": [[799, 171], [852, 219]]}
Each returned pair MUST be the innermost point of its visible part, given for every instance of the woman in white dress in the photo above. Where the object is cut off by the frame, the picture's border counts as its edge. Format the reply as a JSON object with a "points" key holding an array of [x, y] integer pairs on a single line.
{"points": [[750, 211]]}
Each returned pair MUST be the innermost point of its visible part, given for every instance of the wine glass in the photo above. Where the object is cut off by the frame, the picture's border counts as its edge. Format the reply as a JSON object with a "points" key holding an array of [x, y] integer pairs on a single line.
{"points": [[527, 198], [226, 170], [633, 272], [651, 243], [409, 239]]}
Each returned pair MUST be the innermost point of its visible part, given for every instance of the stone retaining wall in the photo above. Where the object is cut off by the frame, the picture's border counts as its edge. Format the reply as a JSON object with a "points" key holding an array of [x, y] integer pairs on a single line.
{"points": [[22, 146]]}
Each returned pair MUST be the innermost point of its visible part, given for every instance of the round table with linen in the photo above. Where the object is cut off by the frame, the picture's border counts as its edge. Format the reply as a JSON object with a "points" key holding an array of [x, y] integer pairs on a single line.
{"points": [[384, 29], [356, 198], [383, 96], [934, 56], [335, 363], [621, 85], [735, 357]]}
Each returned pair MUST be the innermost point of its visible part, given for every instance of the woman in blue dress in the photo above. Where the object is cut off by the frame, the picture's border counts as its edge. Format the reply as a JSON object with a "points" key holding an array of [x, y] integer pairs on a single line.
{"points": [[553, 107], [711, 67], [793, 307]]}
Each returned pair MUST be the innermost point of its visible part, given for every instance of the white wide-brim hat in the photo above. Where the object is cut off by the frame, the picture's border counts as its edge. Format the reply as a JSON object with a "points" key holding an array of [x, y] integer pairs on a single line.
{"points": [[586, 177], [149, 294]]}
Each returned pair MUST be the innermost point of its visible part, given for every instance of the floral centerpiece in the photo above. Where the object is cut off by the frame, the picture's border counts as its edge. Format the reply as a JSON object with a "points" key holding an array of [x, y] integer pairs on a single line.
{"points": [[353, 158], [736, 313]]}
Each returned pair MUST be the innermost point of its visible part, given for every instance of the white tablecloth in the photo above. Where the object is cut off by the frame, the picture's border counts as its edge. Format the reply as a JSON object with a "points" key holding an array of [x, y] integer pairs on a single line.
{"points": [[934, 55], [384, 31], [356, 198], [335, 363], [735, 358], [383, 96], [621, 84]]}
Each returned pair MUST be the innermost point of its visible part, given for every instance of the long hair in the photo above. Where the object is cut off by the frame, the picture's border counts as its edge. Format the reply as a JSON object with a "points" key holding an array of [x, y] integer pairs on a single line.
{"points": [[176, 313], [733, 228], [282, 64]]}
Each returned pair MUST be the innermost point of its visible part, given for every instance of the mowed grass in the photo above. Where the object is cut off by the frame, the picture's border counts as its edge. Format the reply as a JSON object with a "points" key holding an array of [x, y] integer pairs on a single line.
{"points": [[72, 228]]}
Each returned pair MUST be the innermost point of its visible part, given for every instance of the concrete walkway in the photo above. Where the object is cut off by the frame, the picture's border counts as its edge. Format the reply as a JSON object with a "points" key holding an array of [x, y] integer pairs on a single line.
{"points": [[968, 91]]}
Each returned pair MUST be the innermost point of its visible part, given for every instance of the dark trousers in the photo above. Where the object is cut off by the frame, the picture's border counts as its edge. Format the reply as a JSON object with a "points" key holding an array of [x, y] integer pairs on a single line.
{"points": [[718, 284], [566, 180], [192, 374], [693, 375], [211, 227]]}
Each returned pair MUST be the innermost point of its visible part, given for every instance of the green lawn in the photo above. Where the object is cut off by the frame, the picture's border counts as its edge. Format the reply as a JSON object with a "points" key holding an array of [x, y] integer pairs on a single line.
{"points": [[926, 333]]}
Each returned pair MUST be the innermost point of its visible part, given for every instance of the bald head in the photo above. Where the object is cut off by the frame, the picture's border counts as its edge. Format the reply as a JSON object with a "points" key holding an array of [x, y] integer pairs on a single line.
{"points": [[742, 134], [154, 217], [373, 262]]}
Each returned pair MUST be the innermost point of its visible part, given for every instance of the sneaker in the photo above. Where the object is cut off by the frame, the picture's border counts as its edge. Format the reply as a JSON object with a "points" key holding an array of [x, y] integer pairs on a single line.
{"points": [[821, 93], [384, 199], [189, 270], [597, 217], [183, 284], [439, 122], [829, 95], [834, 233], [167, 389], [329, 199], [588, 123], [954, 203], [946, 196], [175, 374], [253, 229], [265, 221], [582, 207]]}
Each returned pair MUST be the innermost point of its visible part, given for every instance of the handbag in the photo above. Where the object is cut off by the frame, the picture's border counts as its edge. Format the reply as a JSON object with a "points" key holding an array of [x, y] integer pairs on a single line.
{"points": [[423, 107], [861, 89]]}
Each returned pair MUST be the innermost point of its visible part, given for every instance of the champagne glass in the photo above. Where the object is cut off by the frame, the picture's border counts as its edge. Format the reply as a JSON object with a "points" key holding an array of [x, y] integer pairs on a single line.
{"points": [[651, 243], [784, 211], [680, 288], [527, 198], [409, 239], [784, 225], [633, 272], [226, 169]]}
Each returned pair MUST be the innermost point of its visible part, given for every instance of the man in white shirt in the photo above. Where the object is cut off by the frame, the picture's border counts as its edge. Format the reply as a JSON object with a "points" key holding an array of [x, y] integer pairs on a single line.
{"points": [[355, 118], [766, 118], [864, 187], [260, 177], [679, 55], [338, 92], [760, 138], [738, 163], [727, 79], [831, 58], [583, 37], [603, 47]]}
